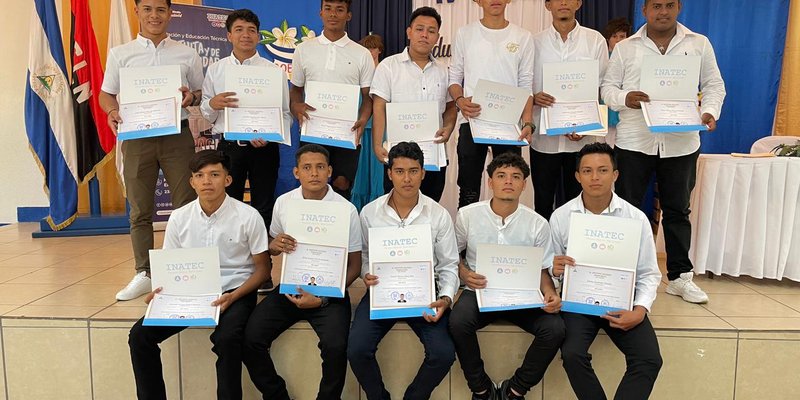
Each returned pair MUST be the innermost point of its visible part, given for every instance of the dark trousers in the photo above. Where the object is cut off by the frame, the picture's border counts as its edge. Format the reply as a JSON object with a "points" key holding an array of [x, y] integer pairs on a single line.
{"points": [[471, 160], [260, 166], [554, 182], [676, 178], [274, 315], [639, 345], [466, 320], [365, 334], [432, 186], [227, 339]]}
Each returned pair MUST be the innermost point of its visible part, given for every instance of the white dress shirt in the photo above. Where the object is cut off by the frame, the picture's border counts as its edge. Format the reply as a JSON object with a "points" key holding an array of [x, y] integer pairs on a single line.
{"points": [[478, 224], [582, 44], [214, 84], [445, 253], [648, 275], [342, 61], [278, 224], [235, 228], [624, 73]]}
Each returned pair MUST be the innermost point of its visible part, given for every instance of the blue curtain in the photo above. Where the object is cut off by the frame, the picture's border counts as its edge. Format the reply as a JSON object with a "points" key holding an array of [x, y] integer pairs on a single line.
{"points": [[595, 14], [748, 40], [388, 18]]}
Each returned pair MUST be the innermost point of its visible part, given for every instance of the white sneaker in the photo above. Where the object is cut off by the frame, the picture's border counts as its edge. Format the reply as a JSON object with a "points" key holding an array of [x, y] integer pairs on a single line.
{"points": [[139, 285], [688, 290]]}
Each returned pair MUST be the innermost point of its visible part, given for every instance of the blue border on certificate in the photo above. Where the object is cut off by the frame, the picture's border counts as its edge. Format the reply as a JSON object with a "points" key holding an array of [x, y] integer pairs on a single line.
{"points": [[205, 322], [146, 133], [509, 308], [588, 309], [324, 291], [499, 141], [410, 312], [432, 167], [328, 142], [270, 137], [577, 129], [677, 128]]}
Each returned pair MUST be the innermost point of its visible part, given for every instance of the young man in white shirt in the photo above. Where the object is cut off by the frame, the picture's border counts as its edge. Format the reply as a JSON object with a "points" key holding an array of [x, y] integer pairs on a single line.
{"points": [[496, 50], [553, 157], [328, 316], [414, 76], [213, 219], [671, 156], [333, 57], [403, 206], [502, 220], [630, 331], [144, 157]]}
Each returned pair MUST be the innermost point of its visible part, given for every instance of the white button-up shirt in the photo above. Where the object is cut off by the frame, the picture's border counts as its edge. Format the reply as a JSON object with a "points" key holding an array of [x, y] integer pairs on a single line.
{"points": [[478, 224], [278, 224], [648, 275], [214, 84], [624, 73], [342, 61], [445, 253], [235, 228], [582, 44]]}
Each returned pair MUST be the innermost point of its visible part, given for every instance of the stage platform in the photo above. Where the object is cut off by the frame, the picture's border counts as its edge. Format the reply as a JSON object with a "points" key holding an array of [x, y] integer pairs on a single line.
{"points": [[63, 336]]}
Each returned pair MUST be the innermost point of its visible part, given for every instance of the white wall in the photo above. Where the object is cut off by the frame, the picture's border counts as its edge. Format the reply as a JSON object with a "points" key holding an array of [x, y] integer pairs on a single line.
{"points": [[20, 180]]}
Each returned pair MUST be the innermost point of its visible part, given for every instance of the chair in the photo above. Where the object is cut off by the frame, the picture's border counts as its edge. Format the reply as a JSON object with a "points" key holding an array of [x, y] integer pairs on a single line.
{"points": [[766, 144]]}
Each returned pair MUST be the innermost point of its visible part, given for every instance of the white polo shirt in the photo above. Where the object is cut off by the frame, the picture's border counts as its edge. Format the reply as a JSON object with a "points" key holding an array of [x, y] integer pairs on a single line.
{"points": [[235, 228], [342, 61], [445, 253], [648, 275], [582, 44], [214, 84], [478, 224], [624, 73], [278, 224], [398, 79]]}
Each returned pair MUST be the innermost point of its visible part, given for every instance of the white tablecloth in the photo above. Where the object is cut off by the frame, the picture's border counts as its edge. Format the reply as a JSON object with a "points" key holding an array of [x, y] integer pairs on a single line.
{"points": [[746, 217]]}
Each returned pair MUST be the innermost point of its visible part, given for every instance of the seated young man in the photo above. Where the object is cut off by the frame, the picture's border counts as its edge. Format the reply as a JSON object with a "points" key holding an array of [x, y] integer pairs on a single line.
{"points": [[630, 331], [213, 219], [406, 205], [502, 220], [329, 317]]}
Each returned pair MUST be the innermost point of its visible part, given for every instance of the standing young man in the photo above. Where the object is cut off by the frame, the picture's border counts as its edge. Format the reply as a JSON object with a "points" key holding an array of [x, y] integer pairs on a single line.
{"points": [[493, 49], [144, 157], [502, 220], [671, 156], [414, 76], [553, 157], [630, 331], [403, 206], [333, 57], [213, 219], [329, 317]]}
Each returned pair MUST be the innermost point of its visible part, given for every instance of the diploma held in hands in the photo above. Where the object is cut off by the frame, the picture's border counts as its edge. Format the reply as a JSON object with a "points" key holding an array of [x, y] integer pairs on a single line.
{"points": [[336, 112], [149, 102], [672, 116], [402, 258], [259, 91], [417, 122], [672, 83], [319, 263], [191, 281], [513, 275], [574, 85], [565, 117], [501, 109]]}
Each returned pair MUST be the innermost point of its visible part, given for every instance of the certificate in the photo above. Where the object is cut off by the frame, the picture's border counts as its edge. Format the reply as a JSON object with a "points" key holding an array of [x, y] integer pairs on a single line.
{"points": [[565, 117], [412, 122], [259, 93], [172, 310], [670, 77], [513, 275], [670, 116], [487, 132], [147, 84], [402, 258], [433, 154], [336, 112], [501, 109], [319, 263], [571, 81], [595, 290], [147, 119], [249, 123]]}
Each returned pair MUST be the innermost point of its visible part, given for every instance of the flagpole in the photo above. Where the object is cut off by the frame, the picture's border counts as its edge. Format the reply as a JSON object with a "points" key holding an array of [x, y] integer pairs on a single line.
{"points": [[94, 197]]}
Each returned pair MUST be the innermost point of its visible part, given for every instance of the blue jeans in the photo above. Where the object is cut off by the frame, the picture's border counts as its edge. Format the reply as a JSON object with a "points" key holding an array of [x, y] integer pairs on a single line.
{"points": [[365, 334]]}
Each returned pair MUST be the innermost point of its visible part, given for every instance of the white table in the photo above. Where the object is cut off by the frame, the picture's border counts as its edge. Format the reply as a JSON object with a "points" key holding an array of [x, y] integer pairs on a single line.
{"points": [[746, 217]]}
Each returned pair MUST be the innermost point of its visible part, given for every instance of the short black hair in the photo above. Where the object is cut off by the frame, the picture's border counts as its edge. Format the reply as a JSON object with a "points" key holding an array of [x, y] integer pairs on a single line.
{"points": [[426, 12], [407, 150], [648, 1], [311, 148], [169, 2], [596, 148], [244, 15], [509, 160], [209, 157], [617, 25], [346, 2]]}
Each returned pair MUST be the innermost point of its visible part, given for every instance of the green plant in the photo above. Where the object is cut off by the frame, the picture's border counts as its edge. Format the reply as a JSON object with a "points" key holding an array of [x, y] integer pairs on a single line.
{"points": [[787, 150]]}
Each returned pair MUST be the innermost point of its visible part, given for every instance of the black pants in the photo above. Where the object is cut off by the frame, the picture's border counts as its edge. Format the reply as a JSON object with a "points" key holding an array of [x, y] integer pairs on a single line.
{"points": [[432, 186], [260, 166], [639, 345], [466, 320], [227, 339], [554, 182], [471, 160], [676, 179], [273, 316]]}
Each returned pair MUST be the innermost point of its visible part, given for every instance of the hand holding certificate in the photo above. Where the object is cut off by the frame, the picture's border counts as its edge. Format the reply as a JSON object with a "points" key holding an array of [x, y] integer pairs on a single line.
{"points": [[565, 117], [149, 102], [336, 112], [259, 113], [574, 85], [501, 109], [513, 275], [672, 116], [672, 84]]}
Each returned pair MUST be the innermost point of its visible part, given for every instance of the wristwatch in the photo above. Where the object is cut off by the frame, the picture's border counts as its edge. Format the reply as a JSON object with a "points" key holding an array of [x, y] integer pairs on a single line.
{"points": [[325, 301], [533, 127]]}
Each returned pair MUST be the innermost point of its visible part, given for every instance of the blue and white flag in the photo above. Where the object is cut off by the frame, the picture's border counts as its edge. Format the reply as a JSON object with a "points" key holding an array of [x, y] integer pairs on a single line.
{"points": [[48, 115]]}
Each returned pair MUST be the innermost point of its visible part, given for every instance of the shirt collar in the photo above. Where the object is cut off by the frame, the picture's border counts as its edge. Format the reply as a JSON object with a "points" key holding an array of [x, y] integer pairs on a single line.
{"points": [[615, 205], [248, 61], [145, 42], [344, 41], [387, 210], [216, 214], [328, 195], [498, 220], [405, 56], [570, 36], [681, 32]]}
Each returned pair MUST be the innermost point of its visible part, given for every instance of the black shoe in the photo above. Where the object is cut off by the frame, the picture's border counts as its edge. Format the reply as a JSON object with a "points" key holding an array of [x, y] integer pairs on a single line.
{"points": [[490, 394], [504, 392], [266, 286]]}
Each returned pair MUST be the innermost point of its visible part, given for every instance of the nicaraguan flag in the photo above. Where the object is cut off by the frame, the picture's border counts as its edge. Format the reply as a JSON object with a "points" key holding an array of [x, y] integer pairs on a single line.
{"points": [[48, 115]]}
